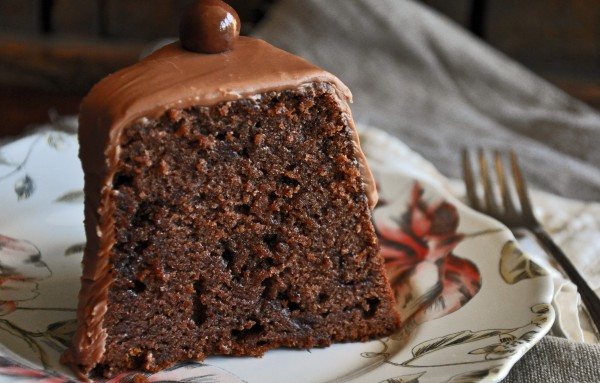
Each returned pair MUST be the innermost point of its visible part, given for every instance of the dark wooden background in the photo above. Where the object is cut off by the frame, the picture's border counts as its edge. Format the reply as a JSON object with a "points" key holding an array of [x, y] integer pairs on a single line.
{"points": [[52, 51]]}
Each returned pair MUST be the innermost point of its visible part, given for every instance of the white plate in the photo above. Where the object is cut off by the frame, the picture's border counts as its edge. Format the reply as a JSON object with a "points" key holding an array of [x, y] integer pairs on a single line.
{"points": [[473, 302]]}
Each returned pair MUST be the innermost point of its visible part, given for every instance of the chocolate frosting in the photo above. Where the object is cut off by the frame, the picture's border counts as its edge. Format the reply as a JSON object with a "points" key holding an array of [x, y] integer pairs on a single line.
{"points": [[171, 78]]}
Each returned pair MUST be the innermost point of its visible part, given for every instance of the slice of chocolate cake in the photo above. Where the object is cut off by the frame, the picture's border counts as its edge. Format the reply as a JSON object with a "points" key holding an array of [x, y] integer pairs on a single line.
{"points": [[227, 211]]}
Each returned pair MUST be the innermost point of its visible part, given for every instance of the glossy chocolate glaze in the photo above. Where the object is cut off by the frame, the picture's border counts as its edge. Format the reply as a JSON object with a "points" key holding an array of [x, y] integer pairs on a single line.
{"points": [[209, 26], [171, 78]]}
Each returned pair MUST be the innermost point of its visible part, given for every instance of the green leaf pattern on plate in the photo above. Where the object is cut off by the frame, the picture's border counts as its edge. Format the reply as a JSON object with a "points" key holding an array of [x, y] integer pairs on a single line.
{"points": [[516, 266]]}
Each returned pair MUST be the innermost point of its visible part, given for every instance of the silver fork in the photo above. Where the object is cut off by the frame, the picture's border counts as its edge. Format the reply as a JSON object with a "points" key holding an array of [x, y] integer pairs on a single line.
{"points": [[521, 217]]}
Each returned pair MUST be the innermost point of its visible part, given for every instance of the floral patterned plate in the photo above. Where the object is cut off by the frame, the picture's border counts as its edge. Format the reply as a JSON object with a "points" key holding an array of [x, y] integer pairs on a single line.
{"points": [[472, 302]]}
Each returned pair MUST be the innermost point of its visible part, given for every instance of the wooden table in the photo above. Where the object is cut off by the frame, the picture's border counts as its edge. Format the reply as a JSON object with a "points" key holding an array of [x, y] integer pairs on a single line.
{"points": [[20, 108]]}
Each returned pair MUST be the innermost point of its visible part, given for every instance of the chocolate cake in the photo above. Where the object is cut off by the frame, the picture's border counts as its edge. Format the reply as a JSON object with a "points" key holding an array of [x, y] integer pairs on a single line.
{"points": [[227, 211]]}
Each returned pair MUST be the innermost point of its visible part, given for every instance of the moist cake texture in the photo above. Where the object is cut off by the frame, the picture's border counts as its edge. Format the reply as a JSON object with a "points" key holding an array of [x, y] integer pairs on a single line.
{"points": [[235, 235], [227, 211]]}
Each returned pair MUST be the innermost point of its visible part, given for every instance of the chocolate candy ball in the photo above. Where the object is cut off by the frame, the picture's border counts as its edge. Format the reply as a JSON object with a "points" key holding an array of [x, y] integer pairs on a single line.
{"points": [[209, 26]]}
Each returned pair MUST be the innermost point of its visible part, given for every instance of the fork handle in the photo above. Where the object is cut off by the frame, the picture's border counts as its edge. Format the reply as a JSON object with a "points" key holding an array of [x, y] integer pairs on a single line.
{"points": [[588, 296]]}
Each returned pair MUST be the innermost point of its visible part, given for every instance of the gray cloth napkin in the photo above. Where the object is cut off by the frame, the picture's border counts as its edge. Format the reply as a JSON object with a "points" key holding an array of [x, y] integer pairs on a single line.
{"points": [[557, 360], [428, 82]]}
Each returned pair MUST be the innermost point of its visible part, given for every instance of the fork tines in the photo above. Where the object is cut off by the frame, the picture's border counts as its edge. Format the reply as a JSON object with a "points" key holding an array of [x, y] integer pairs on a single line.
{"points": [[519, 217], [507, 209]]}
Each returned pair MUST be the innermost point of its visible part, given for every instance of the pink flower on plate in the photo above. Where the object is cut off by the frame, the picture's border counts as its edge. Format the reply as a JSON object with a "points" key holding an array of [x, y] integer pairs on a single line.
{"points": [[21, 268], [428, 280]]}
